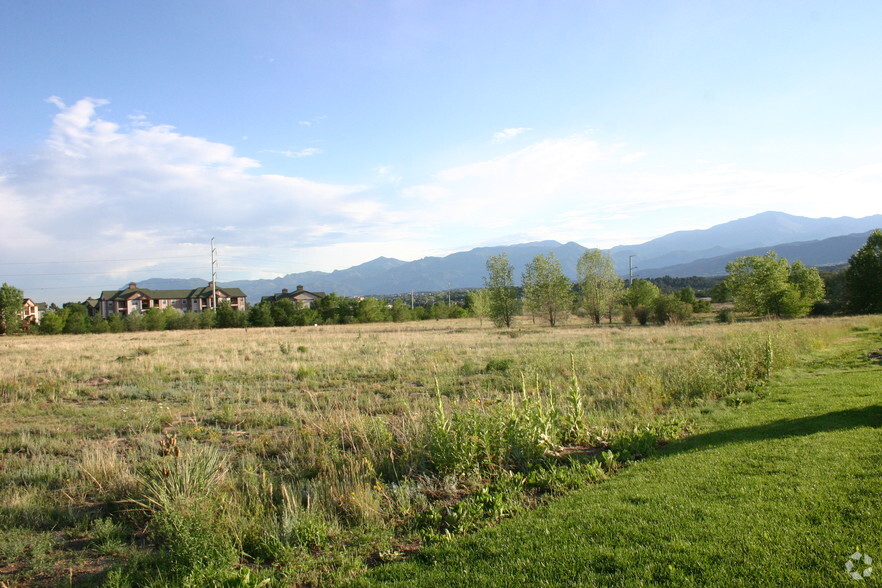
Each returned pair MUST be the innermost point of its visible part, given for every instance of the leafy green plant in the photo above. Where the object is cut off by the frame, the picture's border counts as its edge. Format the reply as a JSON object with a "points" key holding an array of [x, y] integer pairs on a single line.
{"points": [[499, 365], [726, 316]]}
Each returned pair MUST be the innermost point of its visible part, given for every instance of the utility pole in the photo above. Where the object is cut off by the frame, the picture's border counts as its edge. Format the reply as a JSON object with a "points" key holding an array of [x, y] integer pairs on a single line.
{"points": [[411, 298], [213, 275], [631, 270]]}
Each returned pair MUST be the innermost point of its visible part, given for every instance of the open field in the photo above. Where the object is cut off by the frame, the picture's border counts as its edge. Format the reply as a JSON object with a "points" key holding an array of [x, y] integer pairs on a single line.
{"points": [[780, 493], [310, 454]]}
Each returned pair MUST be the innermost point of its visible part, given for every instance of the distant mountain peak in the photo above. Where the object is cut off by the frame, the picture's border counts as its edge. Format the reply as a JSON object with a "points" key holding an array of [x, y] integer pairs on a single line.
{"points": [[548, 243], [674, 252]]}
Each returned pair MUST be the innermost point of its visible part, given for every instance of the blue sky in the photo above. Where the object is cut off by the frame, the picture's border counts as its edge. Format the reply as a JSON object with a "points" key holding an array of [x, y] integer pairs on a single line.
{"points": [[319, 135]]}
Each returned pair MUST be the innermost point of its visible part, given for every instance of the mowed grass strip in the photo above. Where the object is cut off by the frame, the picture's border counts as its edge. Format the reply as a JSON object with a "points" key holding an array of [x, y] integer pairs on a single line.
{"points": [[776, 493]]}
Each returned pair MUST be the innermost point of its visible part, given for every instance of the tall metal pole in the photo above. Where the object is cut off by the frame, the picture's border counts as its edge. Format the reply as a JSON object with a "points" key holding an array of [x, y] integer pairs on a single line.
{"points": [[213, 275], [631, 270]]}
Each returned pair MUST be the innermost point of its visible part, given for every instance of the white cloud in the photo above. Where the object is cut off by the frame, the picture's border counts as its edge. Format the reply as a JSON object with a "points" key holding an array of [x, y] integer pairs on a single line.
{"points": [[576, 188], [511, 133], [387, 174], [307, 152], [97, 191]]}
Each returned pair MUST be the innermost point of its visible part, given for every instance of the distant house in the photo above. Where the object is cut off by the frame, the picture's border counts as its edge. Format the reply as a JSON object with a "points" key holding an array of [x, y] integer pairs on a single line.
{"points": [[301, 296], [32, 312], [134, 299], [93, 306]]}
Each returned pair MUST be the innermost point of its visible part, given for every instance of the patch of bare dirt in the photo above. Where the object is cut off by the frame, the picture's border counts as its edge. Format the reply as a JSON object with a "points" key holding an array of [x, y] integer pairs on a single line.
{"points": [[97, 381]]}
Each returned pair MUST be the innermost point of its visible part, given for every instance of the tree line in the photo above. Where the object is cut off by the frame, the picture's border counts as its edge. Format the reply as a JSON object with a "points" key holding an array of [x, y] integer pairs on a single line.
{"points": [[73, 318], [762, 285], [765, 285]]}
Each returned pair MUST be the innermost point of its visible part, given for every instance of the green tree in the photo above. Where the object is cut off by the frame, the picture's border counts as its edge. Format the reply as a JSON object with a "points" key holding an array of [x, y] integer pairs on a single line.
{"points": [[135, 321], [863, 277], [399, 311], [52, 322], [835, 293], [721, 293], [98, 324], [547, 291], [371, 310], [669, 308], [767, 285], [155, 320], [284, 313], [229, 317], [687, 295], [641, 293], [261, 315], [77, 321], [207, 319], [501, 290], [601, 288], [116, 323], [478, 303], [11, 303], [334, 309], [172, 317]]}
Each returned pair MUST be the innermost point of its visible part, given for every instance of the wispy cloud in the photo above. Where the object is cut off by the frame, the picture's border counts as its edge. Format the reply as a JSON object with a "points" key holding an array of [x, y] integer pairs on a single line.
{"points": [[387, 174], [100, 190], [506, 134], [96, 188], [577, 188], [307, 152], [310, 122]]}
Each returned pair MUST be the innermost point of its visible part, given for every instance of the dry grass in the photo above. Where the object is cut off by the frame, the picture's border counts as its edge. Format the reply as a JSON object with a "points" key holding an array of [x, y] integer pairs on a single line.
{"points": [[330, 418]]}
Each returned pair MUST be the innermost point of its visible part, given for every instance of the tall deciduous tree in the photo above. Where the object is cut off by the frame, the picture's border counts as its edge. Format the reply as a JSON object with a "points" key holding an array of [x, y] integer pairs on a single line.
{"points": [[501, 290], [641, 293], [547, 291], [479, 303], [11, 303], [601, 288], [769, 285], [863, 278]]}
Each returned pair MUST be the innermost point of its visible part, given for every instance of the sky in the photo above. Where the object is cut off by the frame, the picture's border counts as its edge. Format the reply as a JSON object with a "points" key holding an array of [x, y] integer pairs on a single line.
{"points": [[321, 134]]}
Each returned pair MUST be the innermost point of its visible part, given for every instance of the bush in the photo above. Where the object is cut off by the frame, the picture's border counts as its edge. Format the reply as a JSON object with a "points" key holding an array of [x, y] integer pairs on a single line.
{"points": [[701, 306], [186, 518], [668, 309], [642, 314], [726, 316]]}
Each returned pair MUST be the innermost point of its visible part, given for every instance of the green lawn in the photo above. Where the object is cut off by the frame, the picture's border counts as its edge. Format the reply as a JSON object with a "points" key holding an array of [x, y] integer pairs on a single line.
{"points": [[778, 492]]}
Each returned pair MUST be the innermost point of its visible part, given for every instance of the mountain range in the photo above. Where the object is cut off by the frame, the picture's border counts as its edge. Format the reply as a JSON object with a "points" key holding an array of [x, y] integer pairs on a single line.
{"points": [[705, 252]]}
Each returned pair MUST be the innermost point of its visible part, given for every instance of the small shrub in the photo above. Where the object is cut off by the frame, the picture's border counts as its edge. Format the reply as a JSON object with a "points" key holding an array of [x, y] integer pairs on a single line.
{"points": [[469, 368], [726, 316], [108, 536], [642, 313], [669, 309], [186, 515], [701, 306], [499, 365]]}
